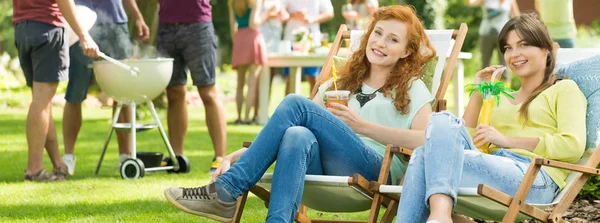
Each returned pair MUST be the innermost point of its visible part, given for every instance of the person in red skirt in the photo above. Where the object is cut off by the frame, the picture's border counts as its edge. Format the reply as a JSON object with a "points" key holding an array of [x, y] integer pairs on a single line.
{"points": [[249, 51]]}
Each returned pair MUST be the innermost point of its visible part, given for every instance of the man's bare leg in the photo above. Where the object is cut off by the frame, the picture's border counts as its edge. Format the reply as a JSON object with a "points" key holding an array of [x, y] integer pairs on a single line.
{"points": [[177, 117], [38, 124], [215, 118], [71, 126], [51, 145]]}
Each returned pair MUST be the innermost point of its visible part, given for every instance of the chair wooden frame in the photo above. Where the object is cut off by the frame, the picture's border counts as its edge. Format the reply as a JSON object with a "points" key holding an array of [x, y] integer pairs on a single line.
{"points": [[357, 181], [516, 204]]}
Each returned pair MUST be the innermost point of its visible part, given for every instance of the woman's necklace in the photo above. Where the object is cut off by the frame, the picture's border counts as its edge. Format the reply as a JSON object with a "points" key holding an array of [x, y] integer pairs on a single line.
{"points": [[363, 98]]}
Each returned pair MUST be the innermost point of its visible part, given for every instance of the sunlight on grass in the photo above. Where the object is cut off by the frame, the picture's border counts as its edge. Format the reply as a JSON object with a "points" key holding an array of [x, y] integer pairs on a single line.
{"points": [[107, 197]]}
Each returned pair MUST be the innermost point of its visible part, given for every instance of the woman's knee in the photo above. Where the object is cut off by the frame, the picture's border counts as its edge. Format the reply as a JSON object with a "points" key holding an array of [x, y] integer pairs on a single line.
{"points": [[294, 99], [298, 135], [443, 123]]}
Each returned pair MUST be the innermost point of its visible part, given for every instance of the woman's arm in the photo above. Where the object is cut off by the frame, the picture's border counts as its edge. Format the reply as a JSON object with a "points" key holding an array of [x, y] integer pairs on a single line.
{"points": [[408, 138], [568, 143], [255, 18], [471, 114], [227, 161], [485, 134], [235, 156], [232, 22], [318, 99]]}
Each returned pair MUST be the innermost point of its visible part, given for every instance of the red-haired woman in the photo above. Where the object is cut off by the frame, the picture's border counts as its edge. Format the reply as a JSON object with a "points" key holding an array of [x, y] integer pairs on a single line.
{"points": [[389, 104]]}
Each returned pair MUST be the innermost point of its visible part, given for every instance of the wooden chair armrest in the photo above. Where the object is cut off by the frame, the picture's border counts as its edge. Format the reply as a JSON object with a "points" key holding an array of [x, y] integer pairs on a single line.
{"points": [[567, 166], [505, 199], [246, 144]]}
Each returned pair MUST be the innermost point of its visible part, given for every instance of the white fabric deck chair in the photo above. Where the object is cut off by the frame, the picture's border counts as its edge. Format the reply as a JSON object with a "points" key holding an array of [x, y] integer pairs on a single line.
{"points": [[486, 203], [351, 193]]}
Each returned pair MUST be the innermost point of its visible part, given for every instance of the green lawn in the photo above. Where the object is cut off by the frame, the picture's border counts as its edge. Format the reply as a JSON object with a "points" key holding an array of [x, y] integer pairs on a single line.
{"points": [[107, 197]]}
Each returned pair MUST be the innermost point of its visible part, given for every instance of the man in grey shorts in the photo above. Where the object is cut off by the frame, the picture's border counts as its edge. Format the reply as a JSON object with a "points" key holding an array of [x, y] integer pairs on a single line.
{"points": [[112, 35], [186, 34], [43, 54]]}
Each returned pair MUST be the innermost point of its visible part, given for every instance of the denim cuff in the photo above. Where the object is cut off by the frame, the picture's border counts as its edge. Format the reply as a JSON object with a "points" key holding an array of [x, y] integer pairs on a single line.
{"points": [[440, 190], [233, 191]]}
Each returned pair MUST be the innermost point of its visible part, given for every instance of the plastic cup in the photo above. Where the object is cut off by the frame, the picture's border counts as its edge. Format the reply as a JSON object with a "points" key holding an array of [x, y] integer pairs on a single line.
{"points": [[339, 96]]}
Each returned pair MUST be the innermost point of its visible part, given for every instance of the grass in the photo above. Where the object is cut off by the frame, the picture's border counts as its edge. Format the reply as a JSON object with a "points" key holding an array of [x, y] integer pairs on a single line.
{"points": [[107, 197]]}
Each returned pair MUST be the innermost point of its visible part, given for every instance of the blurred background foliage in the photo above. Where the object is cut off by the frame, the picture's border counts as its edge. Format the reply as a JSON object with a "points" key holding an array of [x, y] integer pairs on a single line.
{"points": [[435, 14]]}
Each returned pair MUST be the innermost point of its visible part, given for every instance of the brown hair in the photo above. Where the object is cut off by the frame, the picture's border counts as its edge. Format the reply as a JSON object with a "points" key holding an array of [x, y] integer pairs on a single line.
{"points": [[529, 28], [357, 68]]}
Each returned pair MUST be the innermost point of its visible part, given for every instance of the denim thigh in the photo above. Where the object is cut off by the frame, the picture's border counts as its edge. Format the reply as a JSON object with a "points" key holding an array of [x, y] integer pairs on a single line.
{"points": [[504, 170]]}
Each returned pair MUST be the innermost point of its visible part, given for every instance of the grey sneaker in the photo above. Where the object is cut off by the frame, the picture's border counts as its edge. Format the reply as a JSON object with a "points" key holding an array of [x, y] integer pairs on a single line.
{"points": [[201, 201]]}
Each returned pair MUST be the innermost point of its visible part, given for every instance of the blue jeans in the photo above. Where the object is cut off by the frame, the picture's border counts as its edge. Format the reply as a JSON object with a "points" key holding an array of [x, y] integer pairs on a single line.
{"points": [[450, 160], [304, 138]]}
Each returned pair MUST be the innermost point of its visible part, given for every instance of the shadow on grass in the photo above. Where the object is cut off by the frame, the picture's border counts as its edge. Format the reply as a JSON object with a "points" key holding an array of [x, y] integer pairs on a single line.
{"points": [[86, 210]]}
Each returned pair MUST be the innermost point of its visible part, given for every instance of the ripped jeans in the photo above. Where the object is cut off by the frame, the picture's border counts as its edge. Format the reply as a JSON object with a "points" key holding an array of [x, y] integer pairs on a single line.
{"points": [[450, 160]]}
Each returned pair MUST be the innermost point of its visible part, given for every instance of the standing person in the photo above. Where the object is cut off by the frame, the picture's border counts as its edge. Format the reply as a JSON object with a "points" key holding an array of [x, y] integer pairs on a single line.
{"points": [[43, 54], [249, 51], [271, 31], [495, 14], [112, 35], [186, 33], [306, 14], [549, 123], [557, 15], [272, 28], [388, 100], [357, 12]]}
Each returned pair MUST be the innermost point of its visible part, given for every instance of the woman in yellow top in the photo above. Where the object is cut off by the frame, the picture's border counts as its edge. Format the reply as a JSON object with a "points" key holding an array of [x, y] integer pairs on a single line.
{"points": [[546, 119]]}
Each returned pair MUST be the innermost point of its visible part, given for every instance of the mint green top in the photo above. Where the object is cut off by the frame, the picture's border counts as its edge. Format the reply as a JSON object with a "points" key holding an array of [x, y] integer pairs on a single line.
{"points": [[558, 17], [381, 110]]}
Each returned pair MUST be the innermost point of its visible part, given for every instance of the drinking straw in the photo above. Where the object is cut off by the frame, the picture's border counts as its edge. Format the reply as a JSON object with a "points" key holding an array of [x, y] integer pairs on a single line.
{"points": [[334, 71]]}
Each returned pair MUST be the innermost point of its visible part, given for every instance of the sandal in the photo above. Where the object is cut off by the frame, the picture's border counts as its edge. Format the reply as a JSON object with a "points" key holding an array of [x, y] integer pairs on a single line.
{"points": [[41, 176], [61, 173]]}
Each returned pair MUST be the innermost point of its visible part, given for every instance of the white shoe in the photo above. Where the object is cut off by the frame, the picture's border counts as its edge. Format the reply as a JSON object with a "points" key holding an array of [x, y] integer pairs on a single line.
{"points": [[70, 161], [123, 157]]}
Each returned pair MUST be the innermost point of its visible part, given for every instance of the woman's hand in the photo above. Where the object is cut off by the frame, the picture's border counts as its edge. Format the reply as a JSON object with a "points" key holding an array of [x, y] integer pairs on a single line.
{"points": [[486, 73], [487, 134], [348, 116], [223, 167]]}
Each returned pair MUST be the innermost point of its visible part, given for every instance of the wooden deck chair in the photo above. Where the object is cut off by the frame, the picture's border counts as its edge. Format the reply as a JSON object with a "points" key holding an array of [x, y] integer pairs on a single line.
{"points": [[486, 203], [351, 193]]}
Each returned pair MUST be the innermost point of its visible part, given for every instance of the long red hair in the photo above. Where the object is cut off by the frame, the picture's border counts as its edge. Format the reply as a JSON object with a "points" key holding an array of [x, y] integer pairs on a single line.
{"points": [[356, 69]]}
